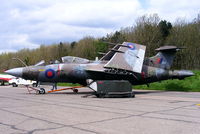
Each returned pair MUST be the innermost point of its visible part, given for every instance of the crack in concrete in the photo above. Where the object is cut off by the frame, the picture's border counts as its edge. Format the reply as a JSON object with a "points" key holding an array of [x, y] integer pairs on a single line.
{"points": [[37, 130], [12, 127], [74, 126], [57, 104], [49, 122], [84, 130], [193, 122], [31, 117], [143, 115], [25, 131]]}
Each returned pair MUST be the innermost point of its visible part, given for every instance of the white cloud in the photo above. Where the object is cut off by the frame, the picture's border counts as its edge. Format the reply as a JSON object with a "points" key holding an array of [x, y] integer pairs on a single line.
{"points": [[26, 24], [88, 12], [15, 42], [171, 10], [32, 22]]}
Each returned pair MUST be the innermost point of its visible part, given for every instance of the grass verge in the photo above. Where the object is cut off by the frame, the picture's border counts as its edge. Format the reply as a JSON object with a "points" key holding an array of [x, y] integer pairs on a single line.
{"points": [[68, 84]]}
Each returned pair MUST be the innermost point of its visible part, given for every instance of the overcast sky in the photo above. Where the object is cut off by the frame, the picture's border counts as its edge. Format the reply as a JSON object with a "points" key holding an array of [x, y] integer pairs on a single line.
{"points": [[29, 23]]}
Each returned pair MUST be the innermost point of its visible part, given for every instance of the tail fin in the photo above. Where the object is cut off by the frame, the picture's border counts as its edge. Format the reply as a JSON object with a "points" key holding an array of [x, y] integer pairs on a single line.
{"points": [[164, 58], [129, 56]]}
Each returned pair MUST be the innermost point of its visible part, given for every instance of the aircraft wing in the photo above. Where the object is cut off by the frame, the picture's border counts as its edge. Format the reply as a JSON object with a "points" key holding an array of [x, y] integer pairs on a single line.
{"points": [[128, 56]]}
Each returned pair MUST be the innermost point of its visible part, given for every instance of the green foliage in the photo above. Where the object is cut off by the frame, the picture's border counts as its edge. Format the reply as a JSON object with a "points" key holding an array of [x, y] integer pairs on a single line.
{"points": [[68, 84], [100, 47], [73, 44], [85, 48], [188, 84], [186, 35], [145, 31], [117, 37], [164, 28]]}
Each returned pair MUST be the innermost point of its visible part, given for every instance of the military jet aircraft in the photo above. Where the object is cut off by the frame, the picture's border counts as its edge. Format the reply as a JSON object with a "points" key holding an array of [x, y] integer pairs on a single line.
{"points": [[124, 61]]}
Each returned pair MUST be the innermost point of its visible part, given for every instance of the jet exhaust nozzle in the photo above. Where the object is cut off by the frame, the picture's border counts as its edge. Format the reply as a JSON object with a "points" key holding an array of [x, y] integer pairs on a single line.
{"points": [[181, 74]]}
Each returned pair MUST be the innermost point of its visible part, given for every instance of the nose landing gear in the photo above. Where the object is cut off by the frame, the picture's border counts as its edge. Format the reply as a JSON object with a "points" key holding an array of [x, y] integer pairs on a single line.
{"points": [[41, 91]]}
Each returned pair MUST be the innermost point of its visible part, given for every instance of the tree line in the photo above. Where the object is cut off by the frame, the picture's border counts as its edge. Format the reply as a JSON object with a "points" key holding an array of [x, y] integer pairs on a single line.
{"points": [[148, 30]]}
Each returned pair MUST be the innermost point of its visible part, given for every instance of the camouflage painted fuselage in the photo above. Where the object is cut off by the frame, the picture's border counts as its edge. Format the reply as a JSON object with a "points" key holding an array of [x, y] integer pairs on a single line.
{"points": [[124, 62], [79, 73]]}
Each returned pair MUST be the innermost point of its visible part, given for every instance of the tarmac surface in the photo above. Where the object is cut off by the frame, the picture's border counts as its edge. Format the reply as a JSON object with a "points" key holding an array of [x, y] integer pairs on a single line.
{"points": [[150, 112]]}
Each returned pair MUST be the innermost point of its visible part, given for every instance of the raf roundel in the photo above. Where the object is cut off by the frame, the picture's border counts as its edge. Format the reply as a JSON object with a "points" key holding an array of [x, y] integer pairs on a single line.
{"points": [[159, 60], [50, 73], [131, 46]]}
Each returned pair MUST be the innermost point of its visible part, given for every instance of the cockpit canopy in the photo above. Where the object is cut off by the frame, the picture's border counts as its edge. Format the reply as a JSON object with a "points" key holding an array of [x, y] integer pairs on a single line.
{"points": [[72, 59]]}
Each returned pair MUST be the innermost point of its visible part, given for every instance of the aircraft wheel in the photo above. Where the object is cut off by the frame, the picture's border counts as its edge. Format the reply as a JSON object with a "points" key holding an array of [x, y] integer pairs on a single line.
{"points": [[133, 95], [42, 91], [75, 90], [2, 83], [99, 95], [34, 84], [14, 85]]}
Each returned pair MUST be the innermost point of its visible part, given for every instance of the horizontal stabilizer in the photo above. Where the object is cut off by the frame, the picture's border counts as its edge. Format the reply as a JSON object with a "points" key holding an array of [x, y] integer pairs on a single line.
{"points": [[164, 57], [169, 48]]}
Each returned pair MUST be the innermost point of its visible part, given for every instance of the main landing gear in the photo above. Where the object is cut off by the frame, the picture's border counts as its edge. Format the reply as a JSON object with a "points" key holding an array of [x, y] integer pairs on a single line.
{"points": [[41, 91]]}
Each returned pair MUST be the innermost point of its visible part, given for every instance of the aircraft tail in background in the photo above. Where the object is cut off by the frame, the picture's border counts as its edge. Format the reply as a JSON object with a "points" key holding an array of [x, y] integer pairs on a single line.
{"points": [[164, 58]]}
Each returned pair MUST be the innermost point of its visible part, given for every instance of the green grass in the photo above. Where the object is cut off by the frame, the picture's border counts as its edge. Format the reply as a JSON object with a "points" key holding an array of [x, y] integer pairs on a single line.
{"points": [[68, 84], [188, 84]]}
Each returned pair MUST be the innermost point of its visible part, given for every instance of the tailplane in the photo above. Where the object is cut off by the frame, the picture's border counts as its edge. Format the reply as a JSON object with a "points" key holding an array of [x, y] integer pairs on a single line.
{"points": [[164, 58]]}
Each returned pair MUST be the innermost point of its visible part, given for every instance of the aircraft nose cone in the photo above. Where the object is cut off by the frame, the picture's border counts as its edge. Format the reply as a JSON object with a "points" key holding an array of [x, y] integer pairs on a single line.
{"points": [[15, 72]]}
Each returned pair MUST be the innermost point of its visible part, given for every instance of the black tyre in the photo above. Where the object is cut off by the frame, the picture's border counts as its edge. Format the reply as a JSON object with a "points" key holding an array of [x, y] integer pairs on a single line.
{"points": [[42, 91], [99, 95], [75, 90], [34, 84], [133, 95], [2, 83], [14, 85]]}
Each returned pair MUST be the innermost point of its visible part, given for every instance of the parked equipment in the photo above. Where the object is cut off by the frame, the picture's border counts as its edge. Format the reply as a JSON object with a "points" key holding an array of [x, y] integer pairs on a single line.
{"points": [[112, 88]]}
